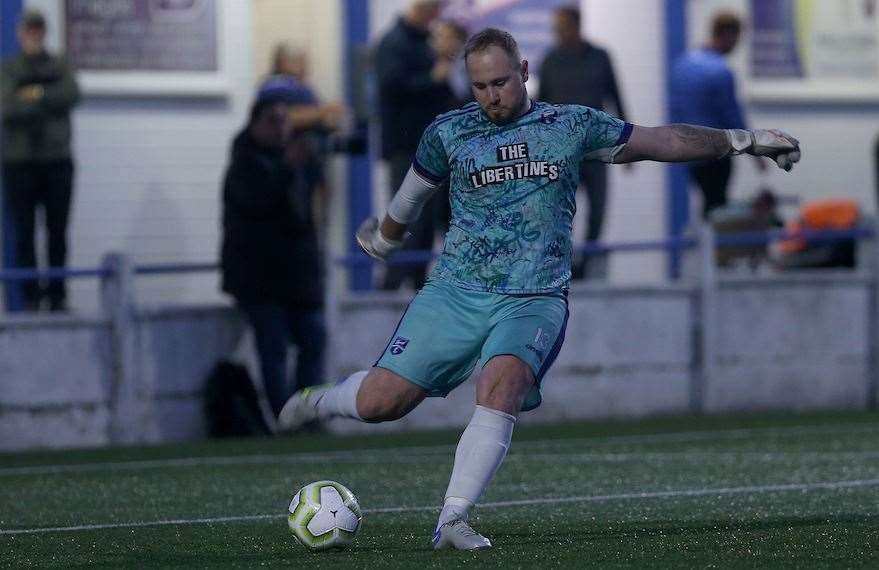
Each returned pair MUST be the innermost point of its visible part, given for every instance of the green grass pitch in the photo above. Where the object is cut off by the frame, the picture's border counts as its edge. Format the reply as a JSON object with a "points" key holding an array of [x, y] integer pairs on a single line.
{"points": [[786, 491]]}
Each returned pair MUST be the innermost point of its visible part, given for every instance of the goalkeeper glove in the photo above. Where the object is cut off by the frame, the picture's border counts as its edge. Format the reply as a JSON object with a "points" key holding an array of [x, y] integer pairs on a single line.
{"points": [[373, 243], [777, 145]]}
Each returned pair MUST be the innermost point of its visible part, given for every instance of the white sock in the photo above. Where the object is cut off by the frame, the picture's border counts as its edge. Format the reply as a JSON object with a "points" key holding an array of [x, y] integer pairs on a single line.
{"points": [[340, 401], [480, 452]]}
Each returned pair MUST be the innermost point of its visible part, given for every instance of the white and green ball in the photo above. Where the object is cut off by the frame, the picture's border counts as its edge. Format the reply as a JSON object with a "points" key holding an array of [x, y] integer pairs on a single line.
{"points": [[324, 514]]}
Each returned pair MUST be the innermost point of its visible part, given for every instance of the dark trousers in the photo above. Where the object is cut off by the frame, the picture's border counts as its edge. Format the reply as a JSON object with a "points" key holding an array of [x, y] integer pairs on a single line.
{"points": [[434, 217], [712, 178], [275, 328], [30, 187], [593, 177], [876, 169]]}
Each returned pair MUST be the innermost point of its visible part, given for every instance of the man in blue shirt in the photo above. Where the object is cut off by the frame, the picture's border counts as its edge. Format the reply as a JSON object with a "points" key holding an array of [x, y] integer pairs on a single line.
{"points": [[704, 93], [497, 296]]}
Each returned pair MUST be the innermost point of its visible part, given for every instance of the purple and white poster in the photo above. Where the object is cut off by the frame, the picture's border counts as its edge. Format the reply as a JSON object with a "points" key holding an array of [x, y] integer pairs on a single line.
{"points": [[815, 40], [142, 35], [530, 22], [775, 48]]}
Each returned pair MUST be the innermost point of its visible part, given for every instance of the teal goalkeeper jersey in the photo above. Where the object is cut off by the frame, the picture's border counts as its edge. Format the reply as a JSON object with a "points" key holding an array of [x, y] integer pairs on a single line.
{"points": [[512, 191]]}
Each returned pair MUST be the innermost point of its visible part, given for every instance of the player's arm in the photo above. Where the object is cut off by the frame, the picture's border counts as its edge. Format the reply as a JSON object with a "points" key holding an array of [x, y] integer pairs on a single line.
{"points": [[381, 240], [682, 143]]}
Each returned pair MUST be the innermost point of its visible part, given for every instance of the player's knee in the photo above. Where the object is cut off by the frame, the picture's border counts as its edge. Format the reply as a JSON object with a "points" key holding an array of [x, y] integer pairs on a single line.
{"points": [[375, 410], [504, 384], [386, 396]]}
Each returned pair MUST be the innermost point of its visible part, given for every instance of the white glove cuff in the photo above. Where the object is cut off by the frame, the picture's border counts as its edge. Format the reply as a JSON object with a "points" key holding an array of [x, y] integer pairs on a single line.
{"points": [[384, 246], [740, 141]]}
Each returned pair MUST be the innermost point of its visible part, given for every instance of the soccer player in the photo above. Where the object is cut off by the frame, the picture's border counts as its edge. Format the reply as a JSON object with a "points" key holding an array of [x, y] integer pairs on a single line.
{"points": [[497, 296]]}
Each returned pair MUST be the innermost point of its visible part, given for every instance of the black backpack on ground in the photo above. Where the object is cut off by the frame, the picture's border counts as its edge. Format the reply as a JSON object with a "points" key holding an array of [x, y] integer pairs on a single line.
{"points": [[232, 404]]}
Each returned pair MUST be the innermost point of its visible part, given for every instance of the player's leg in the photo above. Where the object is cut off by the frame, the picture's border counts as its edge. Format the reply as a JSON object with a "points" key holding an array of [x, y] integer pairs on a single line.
{"points": [[523, 344], [434, 347], [376, 395], [500, 391]]}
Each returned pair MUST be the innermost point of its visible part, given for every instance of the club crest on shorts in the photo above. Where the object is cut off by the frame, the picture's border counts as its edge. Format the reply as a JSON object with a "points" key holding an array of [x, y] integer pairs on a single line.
{"points": [[399, 345], [539, 344]]}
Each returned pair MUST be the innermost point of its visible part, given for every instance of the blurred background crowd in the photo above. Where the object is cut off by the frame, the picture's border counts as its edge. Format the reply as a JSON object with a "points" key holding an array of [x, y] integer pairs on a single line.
{"points": [[258, 134]]}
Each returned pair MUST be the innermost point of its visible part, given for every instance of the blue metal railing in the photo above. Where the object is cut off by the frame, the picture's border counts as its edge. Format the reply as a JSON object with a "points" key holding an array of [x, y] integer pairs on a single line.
{"points": [[418, 257]]}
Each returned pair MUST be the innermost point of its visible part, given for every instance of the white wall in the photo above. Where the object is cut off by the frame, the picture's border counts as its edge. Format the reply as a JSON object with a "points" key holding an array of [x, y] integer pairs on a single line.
{"points": [[632, 31], [149, 172]]}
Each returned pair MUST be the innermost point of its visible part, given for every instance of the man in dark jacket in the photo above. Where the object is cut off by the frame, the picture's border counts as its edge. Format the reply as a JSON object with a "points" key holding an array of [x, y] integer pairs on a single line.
{"points": [[413, 89], [578, 72], [37, 92], [271, 261]]}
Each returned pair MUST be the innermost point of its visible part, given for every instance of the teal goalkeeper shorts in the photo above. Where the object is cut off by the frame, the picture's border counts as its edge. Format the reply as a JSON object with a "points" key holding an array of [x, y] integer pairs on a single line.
{"points": [[447, 330]]}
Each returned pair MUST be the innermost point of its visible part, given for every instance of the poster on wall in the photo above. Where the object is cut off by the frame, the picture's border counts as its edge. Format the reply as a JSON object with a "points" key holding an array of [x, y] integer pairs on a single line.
{"points": [[145, 46], [814, 49], [529, 21]]}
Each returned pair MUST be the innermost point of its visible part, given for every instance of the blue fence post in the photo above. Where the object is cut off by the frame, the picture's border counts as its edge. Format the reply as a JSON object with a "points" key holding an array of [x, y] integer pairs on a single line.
{"points": [[359, 172], [10, 10], [678, 199]]}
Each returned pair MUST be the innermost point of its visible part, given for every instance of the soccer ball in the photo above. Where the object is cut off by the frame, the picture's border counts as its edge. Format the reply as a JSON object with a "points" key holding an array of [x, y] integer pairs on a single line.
{"points": [[324, 515]]}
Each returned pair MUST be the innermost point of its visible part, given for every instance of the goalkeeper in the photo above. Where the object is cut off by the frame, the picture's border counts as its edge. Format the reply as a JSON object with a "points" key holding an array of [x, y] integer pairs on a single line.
{"points": [[497, 296]]}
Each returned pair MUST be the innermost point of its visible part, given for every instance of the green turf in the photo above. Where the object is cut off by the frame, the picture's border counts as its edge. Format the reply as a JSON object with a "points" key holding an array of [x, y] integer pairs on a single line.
{"points": [[715, 511]]}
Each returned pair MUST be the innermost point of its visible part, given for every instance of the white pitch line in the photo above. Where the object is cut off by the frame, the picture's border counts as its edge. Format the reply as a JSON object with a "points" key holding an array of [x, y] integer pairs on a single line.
{"points": [[831, 485], [373, 455]]}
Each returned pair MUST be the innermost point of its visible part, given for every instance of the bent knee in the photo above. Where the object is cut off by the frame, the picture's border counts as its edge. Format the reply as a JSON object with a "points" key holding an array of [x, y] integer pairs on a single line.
{"points": [[375, 411], [385, 397]]}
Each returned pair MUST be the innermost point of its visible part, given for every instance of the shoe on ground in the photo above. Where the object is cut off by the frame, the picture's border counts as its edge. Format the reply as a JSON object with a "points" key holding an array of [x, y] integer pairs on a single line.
{"points": [[459, 535]]}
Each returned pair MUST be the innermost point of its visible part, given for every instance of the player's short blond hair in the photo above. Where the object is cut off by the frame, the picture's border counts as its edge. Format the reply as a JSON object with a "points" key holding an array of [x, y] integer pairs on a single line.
{"points": [[484, 39]]}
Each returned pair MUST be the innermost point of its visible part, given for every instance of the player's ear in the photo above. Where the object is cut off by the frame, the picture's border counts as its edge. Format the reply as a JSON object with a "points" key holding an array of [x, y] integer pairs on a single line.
{"points": [[524, 71]]}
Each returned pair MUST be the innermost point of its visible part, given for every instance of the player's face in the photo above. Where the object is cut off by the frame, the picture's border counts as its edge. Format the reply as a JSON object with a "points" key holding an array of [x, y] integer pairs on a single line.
{"points": [[497, 85]]}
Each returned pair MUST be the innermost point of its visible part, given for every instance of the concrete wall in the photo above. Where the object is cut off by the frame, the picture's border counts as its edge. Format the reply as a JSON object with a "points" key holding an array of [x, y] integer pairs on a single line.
{"points": [[54, 382], [789, 343], [59, 378]]}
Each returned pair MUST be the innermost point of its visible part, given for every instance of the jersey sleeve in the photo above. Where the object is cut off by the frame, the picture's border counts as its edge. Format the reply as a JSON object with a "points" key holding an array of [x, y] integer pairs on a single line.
{"points": [[603, 136], [431, 160]]}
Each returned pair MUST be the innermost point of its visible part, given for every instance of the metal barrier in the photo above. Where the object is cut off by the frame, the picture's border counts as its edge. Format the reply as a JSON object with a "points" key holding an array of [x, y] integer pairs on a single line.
{"points": [[417, 257]]}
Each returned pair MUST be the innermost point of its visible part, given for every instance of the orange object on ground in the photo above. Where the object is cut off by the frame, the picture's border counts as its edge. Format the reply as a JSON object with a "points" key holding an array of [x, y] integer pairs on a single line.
{"points": [[838, 214]]}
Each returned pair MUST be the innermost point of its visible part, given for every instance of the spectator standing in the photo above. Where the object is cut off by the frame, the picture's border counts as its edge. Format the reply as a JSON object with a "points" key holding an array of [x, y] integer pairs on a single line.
{"points": [[703, 92], [413, 85], [447, 39], [576, 71], [271, 262], [307, 111], [37, 93]]}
